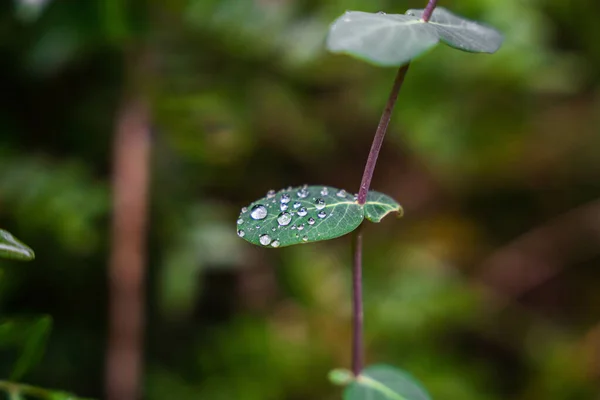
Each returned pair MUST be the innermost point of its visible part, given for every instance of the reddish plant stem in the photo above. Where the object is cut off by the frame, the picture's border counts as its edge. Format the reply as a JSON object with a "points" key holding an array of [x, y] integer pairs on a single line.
{"points": [[429, 10], [357, 303], [380, 135]]}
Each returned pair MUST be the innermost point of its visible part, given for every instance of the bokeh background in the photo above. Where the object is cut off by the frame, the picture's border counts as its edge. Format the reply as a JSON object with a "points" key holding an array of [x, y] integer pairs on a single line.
{"points": [[486, 289]]}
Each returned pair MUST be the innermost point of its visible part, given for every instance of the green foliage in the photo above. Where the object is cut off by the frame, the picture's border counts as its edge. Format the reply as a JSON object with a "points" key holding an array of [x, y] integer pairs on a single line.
{"points": [[29, 337], [395, 39], [308, 214], [379, 382], [379, 205], [12, 248]]}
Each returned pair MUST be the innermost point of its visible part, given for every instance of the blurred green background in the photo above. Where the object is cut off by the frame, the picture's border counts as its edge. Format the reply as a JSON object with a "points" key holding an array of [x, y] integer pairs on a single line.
{"points": [[486, 289]]}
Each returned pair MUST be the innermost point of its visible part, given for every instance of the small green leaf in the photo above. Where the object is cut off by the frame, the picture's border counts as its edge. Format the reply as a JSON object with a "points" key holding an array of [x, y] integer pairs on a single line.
{"points": [[299, 215], [462, 33], [383, 382], [341, 377], [12, 248], [379, 205], [382, 39], [34, 336]]}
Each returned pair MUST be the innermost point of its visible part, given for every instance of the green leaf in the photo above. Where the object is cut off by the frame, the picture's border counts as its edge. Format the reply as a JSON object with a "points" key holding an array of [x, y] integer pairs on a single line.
{"points": [[462, 33], [382, 39], [12, 248], [299, 215], [35, 336], [379, 205], [308, 214], [383, 382]]}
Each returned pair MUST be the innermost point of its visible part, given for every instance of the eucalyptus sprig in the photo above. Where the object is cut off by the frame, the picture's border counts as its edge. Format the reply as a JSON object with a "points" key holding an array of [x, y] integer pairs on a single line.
{"points": [[313, 213]]}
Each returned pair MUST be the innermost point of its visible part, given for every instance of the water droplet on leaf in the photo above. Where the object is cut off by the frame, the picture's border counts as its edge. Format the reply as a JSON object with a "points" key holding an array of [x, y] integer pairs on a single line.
{"points": [[311, 221], [305, 238], [270, 194], [302, 212], [241, 233], [240, 221], [275, 243], [244, 209], [258, 212], [320, 204], [284, 219], [297, 204], [321, 214], [302, 193], [264, 240], [285, 198], [341, 193], [283, 206], [300, 227], [324, 191]]}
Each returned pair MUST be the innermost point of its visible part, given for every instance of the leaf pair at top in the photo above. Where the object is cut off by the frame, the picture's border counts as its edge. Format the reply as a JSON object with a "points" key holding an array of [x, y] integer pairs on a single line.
{"points": [[395, 39], [309, 214]]}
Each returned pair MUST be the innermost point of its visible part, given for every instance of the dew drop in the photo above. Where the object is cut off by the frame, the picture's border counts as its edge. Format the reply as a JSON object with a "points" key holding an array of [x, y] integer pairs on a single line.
{"points": [[285, 198], [284, 219], [302, 212], [240, 221], [274, 229], [241, 233], [341, 193], [300, 227], [324, 191], [302, 193], [293, 227], [244, 209], [320, 204], [321, 214], [311, 221], [305, 238], [264, 240], [283, 206], [380, 12], [275, 243], [297, 204], [270, 194], [258, 212]]}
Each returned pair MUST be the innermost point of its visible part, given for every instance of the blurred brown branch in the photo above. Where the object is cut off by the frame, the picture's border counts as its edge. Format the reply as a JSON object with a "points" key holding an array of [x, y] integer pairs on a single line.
{"points": [[127, 263]]}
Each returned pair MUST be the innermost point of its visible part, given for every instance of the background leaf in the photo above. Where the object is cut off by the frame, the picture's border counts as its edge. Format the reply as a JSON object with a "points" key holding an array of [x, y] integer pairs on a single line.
{"points": [[379, 205], [14, 249], [28, 337], [382, 39], [299, 215], [33, 348], [462, 33], [383, 382]]}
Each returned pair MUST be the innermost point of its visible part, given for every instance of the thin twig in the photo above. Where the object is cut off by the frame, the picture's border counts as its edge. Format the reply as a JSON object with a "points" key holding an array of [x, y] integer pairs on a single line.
{"points": [[357, 303], [429, 10], [380, 135]]}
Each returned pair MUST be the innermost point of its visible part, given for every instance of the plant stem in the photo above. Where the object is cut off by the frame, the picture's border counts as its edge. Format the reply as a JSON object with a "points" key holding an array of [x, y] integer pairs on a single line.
{"points": [[429, 10], [357, 303], [380, 135]]}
